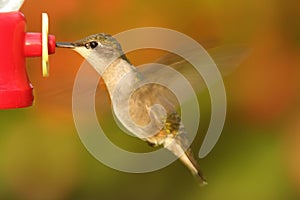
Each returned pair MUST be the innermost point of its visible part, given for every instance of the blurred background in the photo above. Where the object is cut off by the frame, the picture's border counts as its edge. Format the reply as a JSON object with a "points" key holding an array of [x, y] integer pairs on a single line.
{"points": [[258, 154]]}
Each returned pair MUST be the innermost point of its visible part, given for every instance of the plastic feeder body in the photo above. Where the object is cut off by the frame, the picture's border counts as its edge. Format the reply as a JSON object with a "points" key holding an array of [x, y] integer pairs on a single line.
{"points": [[15, 46]]}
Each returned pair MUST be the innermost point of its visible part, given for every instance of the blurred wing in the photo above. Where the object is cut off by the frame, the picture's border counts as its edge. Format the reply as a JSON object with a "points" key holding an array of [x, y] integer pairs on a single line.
{"points": [[227, 59]]}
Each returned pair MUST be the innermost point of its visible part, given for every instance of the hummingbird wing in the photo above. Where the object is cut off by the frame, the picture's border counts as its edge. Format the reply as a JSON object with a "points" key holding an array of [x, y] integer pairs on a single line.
{"points": [[227, 59]]}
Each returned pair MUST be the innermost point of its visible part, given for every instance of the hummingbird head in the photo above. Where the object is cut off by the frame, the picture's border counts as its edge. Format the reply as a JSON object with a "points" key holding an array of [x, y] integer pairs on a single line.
{"points": [[99, 49]]}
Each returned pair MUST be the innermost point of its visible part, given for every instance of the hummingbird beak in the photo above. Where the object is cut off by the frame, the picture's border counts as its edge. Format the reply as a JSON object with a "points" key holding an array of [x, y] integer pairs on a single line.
{"points": [[65, 45]]}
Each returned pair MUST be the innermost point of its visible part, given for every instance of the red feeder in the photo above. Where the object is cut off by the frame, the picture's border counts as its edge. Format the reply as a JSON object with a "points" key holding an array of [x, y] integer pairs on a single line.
{"points": [[15, 46]]}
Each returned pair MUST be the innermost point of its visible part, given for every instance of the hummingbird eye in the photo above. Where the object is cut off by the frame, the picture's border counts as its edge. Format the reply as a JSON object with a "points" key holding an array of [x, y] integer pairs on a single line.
{"points": [[92, 45]]}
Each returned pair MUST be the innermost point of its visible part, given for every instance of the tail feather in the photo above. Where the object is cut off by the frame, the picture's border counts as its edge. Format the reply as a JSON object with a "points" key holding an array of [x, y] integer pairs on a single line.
{"points": [[186, 157], [189, 161]]}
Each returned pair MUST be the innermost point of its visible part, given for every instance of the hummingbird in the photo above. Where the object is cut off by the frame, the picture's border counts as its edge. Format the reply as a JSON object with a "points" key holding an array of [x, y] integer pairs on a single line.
{"points": [[106, 56]]}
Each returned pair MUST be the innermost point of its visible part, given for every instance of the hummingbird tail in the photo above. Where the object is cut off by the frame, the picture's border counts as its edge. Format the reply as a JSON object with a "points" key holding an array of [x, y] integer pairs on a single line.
{"points": [[187, 158]]}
